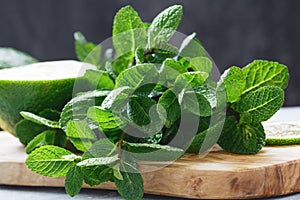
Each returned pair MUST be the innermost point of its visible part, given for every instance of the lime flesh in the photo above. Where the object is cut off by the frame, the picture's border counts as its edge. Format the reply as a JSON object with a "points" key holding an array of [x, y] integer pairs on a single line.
{"points": [[282, 133]]}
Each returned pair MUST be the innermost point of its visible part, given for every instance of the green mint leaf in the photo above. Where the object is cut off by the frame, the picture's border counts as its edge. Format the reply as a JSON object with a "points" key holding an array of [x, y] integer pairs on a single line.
{"points": [[139, 110], [79, 129], [196, 103], [51, 161], [101, 148], [205, 140], [51, 114], [26, 130], [191, 47], [39, 120], [98, 161], [120, 64], [95, 175], [107, 121], [209, 92], [171, 105], [168, 134], [234, 82], [137, 76], [262, 103], [74, 180], [139, 56], [202, 64], [128, 32], [10, 57], [164, 25], [265, 73], [77, 108], [154, 152], [190, 80], [79, 37], [80, 134], [98, 80], [242, 138], [116, 172], [171, 69], [164, 47], [143, 115], [117, 99], [132, 186], [153, 139], [45, 138], [86, 51], [160, 53]]}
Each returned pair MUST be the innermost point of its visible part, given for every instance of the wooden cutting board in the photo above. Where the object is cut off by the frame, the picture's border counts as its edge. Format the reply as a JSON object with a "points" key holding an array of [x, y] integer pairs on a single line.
{"points": [[274, 171]]}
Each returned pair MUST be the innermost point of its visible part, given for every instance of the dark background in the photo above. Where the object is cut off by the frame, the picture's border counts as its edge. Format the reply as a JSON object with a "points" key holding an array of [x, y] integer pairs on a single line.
{"points": [[234, 32]]}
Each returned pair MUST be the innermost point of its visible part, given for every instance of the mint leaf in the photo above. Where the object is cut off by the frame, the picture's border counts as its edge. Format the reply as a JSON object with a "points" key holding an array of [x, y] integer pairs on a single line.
{"points": [[51, 114], [171, 69], [87, 51], [139, 56], [26, 130], [205, 140], [98, 161], [74, 181], [262, 103], [137, 76], [116, 172], [209, 92], [202, 64], [51, 161], [153, 152], [265, 73], [107, 121], [45, 138], [164, 25], [117, 99], [234, 82], [128, 32], [10, 57], [95, 175], [39, 120], [99, 80], [242, 138], [132, 186], [80, 134], [191, 47], [171, 105], [144, 116], [77, 108], [160, 53], [196, 103], [139, 110], [101, 148], [190, 80]]}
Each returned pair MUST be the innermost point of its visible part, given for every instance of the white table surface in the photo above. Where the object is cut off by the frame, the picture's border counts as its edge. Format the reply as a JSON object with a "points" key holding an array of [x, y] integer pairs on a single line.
{"points": [[41, 193]]}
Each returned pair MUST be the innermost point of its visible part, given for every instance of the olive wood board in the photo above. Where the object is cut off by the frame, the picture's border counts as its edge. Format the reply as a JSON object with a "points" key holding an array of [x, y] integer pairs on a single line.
{"points": [[219, 175]]}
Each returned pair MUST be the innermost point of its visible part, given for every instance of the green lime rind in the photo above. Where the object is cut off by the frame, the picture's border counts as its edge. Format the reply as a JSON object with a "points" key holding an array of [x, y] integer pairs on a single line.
{"points": [[282, 141], [282, 133]]}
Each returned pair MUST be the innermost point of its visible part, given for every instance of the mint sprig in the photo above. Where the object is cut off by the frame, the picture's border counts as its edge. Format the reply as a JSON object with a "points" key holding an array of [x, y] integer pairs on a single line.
{"points": [[137, 101]]}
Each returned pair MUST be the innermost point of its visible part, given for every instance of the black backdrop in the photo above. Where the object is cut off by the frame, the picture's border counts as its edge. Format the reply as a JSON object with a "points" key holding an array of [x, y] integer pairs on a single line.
{"points": [[234, 32]]}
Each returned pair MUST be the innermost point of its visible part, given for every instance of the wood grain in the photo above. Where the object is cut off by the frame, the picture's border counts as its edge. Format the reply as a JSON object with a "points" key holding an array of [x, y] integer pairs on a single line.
{"points": [[219, 175]]}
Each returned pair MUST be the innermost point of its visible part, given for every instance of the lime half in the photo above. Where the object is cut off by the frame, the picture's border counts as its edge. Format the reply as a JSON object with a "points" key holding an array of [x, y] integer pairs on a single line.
{"points": [[35, 87], [282, 133]]}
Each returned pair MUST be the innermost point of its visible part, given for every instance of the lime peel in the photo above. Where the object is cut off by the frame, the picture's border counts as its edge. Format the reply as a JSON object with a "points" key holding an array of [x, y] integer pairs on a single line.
{"points": [[282, 133]]}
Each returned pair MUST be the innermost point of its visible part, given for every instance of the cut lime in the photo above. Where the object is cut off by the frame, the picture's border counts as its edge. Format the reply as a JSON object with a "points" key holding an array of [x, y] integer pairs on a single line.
{"points": [[36, 87], [282, 133]]}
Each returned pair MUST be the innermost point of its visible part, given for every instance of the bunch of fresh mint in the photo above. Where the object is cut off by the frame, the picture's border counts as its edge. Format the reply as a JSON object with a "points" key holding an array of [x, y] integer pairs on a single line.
{"points": [[149, 100]]}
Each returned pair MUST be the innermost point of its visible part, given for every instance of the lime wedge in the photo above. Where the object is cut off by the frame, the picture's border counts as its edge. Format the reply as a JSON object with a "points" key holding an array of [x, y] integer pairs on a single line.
{"points": [[282, 133]]}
